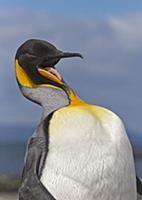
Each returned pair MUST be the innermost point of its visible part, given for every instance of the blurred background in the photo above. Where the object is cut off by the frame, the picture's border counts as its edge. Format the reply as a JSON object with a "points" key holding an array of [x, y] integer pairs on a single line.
{"points": [[107, 33]]}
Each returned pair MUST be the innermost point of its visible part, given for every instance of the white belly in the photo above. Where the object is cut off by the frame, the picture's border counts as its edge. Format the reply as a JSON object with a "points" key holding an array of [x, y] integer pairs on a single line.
{"points": [[89, 158]]}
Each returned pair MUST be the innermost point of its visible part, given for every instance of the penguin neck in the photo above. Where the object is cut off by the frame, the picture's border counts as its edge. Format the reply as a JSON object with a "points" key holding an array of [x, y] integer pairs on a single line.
{"points": [[53, 100], [59, 99]]}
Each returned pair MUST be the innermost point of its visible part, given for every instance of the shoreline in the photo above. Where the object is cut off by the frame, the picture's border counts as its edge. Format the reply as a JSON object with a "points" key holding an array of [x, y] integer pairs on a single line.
{"points": [[9, 184], [8, 196]]}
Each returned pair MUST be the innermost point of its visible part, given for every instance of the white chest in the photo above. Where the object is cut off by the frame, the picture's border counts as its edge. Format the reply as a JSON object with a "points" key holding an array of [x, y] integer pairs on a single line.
{"points": [[88, 158]]}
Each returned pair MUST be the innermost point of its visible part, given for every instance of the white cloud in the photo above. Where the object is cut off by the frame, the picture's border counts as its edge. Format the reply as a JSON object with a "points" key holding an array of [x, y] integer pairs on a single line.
{"points": [[109, 75]]}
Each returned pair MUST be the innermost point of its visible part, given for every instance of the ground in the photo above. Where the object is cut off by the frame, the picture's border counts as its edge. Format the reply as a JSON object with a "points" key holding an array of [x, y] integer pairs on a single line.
{"points": [[8, 196]]}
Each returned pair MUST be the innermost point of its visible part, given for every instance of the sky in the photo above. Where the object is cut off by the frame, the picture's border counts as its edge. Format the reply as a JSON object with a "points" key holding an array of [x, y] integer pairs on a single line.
{"points": [[107, 33], [79, 7]]}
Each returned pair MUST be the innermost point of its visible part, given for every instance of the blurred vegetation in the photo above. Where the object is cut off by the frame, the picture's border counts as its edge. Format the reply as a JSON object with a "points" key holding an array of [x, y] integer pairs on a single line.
{"points": [[9, 183]]}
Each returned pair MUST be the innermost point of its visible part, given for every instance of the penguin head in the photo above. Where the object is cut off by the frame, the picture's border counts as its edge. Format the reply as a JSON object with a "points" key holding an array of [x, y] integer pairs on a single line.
{"points": [[35, 62]]}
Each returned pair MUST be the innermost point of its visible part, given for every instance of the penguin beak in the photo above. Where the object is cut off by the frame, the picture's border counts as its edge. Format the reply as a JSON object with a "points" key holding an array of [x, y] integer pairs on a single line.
{"points": [[50, 72], [66, 55]]}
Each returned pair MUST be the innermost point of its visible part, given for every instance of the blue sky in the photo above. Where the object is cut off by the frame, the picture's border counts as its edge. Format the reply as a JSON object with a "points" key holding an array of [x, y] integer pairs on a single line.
{"points": [[79, 7], [107, 33]]}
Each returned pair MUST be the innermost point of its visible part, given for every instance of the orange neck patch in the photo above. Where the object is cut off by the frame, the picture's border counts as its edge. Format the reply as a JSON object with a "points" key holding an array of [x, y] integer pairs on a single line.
{"points": [[75, 101]]}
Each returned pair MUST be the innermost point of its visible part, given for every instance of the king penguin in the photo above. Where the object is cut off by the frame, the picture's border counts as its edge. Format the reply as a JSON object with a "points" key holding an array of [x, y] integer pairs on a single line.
{"points": [[78, 151]]}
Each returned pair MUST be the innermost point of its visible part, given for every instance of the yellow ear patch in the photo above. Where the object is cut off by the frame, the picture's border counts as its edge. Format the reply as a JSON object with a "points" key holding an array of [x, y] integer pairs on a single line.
{"points": [[25, 81], [22, 77]]}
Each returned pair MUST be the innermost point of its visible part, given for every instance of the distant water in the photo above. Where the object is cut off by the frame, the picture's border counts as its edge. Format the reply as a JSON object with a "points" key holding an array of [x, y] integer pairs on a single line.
{"points": [[12, 148], [11, 156], [13, 144]]}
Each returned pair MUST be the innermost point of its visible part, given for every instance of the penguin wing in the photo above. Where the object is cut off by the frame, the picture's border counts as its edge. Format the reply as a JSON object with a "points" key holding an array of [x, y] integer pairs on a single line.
{"points": [[139, 189], [31, 187]]}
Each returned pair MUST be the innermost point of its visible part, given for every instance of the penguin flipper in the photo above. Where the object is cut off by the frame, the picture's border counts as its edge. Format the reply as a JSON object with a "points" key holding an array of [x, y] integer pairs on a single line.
{"points": [[31, 187], [139, 189]]}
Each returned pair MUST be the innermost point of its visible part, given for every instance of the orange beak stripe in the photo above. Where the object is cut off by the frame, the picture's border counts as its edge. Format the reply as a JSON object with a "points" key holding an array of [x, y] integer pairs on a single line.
{"points": [[49, 76]]}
